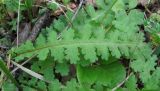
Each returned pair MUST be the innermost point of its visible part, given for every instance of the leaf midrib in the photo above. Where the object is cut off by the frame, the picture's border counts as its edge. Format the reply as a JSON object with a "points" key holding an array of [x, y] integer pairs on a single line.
{"points": [[80, 43]]}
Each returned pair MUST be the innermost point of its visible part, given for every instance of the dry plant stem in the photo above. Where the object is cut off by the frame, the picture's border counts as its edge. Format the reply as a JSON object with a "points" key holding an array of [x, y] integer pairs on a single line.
{"points": [[109, 28], [75, 14], [63, 12], [147, 10], [121, 83], [30, 72], [2, 79], [18, 20], [15, 69], [9, 61], [73, 17], [145, 15], [59, 5], [38, 6]]}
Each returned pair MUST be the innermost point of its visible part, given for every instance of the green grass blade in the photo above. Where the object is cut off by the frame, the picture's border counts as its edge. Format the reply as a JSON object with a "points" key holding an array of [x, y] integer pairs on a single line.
{"points": [[7, 72]]}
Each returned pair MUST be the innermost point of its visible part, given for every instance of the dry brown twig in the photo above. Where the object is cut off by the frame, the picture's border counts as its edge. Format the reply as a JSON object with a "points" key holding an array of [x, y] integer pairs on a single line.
{"points": [[41, 22], [38, 26], [73, 17], [59, 5], [121, 83], [18, 20]]}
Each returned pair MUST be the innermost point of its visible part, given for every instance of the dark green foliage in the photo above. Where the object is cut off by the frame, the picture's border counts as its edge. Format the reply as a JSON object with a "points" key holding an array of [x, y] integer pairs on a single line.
{"points": [[106, 74]]}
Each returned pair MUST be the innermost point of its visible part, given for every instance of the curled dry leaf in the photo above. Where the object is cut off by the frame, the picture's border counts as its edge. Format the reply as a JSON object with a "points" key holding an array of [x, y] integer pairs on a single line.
{"points": [[59, 11], [23, 32], [146, 2], [143, 2], [27, 29], [91, 2], [73, 6]]}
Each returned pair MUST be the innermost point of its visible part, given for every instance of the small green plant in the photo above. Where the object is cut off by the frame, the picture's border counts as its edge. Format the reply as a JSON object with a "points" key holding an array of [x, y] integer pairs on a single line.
{"points": [[153, 27]]}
